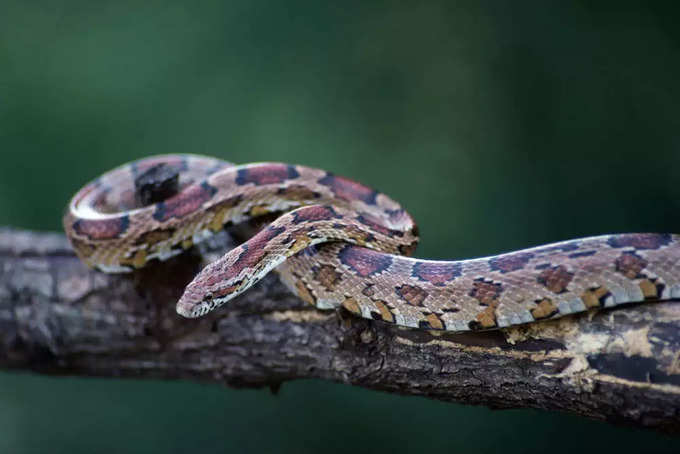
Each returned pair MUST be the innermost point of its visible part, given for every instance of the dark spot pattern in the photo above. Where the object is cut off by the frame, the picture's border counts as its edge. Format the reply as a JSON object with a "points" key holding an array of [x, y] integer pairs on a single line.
{"points": [[369, 290], [314, 213], [578, 255], [451, 310], [640, 240], [186, 202], [364, 262], [102, 229], [510, 262], [556, 278], [595, 297], [266, 174], [436, 273], [349, 190], [411, 294], [179, 163], [474, 325], [545, 308], [630, 265]]}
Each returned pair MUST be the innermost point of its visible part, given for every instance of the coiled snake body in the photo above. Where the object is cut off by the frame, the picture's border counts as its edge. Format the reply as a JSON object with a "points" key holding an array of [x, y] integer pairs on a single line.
{"points": [[340, 243]]}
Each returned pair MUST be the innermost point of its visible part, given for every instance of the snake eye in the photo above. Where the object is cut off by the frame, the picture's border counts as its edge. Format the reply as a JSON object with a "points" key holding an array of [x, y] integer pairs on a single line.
{"points": [[208, 296]]}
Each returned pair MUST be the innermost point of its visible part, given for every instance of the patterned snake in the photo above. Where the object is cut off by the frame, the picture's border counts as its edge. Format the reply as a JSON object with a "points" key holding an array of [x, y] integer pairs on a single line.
{"points": [[340, 243]]}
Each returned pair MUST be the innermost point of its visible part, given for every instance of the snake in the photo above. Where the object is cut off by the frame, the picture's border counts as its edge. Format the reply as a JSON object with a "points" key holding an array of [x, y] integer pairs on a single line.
{"points": [[338, 243]]}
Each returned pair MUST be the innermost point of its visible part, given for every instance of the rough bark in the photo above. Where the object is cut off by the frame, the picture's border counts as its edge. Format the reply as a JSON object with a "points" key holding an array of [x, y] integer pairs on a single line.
{"points": [[58, 317]]}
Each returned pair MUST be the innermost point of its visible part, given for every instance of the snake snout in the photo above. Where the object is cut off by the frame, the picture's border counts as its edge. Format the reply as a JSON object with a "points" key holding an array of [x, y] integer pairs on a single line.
{"points": [[197, 298], [189, 303]]}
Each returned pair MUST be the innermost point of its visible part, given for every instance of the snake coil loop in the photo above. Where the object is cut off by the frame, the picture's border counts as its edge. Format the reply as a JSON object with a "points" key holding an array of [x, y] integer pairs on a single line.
{"points": [[340, 243]]}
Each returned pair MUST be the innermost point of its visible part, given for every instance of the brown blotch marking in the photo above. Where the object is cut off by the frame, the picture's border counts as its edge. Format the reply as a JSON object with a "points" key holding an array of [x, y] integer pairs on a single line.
{"points": [[155, 236], [434, 321], [327, 276], [595, 297], [314, 213], [361, 237], [304, 292], [259, 210], [545, 308], [640, 240], [486, 291], [184, 203], [102, 229], [221, 210], [651, 288], [351, 305], [556, 278], [385, 312], [436, 273], [630, 265], [364, 262], [138, 260], [484, 320], [83, 249], [298, 193], [266, 174], [298, 241], [347, 189], [510, 262], [411, 294]]}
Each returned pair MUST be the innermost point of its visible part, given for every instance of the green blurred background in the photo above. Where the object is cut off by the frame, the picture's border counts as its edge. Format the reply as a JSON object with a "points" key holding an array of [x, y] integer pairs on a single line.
{"points": [[499, 125]]}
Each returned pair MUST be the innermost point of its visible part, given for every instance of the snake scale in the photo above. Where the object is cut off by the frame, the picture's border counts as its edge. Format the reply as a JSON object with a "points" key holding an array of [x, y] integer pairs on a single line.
{"points": [[340, 243]]}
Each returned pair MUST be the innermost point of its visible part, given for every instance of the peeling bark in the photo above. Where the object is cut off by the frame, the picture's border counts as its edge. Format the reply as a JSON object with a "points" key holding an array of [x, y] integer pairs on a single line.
{"points": [[58, 317]]}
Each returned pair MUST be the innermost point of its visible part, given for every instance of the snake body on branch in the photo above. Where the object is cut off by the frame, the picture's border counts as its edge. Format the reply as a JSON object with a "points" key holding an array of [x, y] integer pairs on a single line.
{"points": [[340, 243]]}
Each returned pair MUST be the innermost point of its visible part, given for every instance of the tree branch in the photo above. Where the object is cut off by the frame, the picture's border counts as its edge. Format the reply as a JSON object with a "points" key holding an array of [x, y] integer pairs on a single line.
{"points": [[58, 317]]}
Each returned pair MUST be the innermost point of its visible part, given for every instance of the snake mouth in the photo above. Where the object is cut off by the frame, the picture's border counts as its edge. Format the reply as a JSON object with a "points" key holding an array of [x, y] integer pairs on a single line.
{"points": [[190, 305], [186, 310]]}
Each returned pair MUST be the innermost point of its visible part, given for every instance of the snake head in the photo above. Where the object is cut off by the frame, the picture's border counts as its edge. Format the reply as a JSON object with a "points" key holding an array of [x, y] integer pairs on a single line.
{"points": [[197, 301], [216, 284], [230, 275]]}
